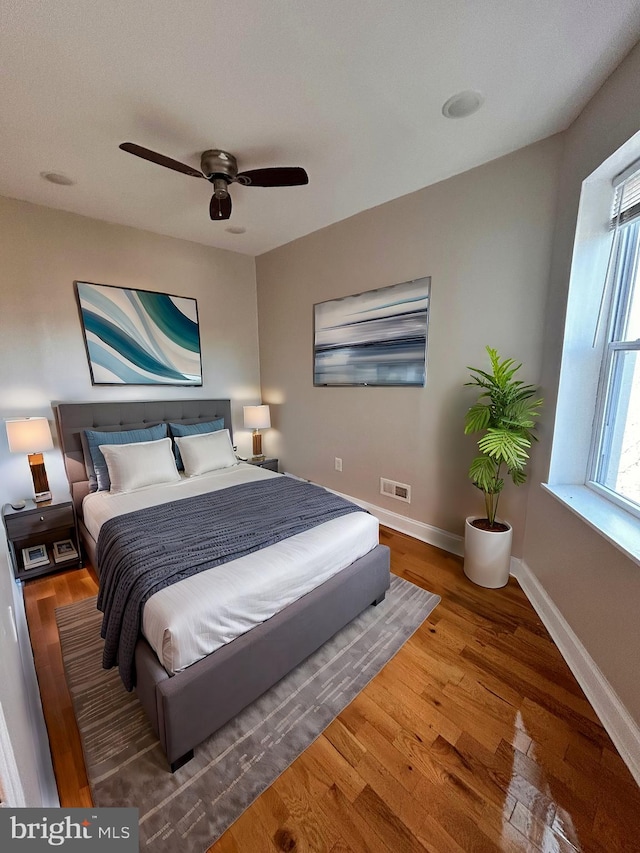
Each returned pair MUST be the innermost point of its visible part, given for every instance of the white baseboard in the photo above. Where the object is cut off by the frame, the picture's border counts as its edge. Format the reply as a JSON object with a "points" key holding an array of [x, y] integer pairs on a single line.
{"points": [[620, 725], [417, 529]]}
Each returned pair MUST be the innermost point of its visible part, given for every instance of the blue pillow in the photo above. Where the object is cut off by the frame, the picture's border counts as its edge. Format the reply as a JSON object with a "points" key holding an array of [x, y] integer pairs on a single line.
{"points": [[92, 440], [180, 430]]}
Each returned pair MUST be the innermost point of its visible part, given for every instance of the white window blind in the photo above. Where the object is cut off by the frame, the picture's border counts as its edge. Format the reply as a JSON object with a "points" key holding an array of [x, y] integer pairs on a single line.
{"points": [[626, 200]]}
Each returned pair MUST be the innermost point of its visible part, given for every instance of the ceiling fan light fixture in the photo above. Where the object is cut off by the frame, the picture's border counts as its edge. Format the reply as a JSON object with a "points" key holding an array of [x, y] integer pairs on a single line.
{"points": [[220, 189], [221, 169], [463, 104]]}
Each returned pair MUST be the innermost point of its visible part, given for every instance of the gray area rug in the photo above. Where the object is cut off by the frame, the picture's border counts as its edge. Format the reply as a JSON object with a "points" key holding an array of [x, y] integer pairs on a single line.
{"points": [[187, 811]]}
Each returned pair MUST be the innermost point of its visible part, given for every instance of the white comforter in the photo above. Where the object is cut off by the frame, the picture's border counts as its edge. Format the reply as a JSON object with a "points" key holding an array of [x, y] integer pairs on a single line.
{"points": [[188, 620]]}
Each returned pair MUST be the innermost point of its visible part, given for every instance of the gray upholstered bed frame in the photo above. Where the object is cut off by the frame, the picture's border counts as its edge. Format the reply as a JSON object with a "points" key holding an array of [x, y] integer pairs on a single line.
{"points": [[186, 708]]}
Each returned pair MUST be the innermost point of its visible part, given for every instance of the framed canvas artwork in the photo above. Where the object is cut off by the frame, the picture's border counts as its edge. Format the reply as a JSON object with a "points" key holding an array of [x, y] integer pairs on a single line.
{"points": [[374, 338], [138, 337]]}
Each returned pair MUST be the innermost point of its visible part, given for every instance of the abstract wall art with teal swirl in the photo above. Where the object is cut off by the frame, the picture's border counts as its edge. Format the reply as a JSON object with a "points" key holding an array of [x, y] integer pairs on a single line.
{"points": [[138, 337], [373, 338]]}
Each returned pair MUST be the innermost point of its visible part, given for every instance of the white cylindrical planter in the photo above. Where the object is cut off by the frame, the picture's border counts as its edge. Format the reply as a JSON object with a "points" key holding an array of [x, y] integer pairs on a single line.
{"points": [[487, 555]]}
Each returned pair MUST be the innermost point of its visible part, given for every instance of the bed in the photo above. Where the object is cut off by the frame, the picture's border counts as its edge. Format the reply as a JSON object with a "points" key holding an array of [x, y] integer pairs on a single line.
{"points": [[186, 702]]}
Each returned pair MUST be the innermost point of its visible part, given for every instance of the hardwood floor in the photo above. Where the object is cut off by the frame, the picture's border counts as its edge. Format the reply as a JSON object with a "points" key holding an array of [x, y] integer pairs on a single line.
{"points": [[475, 737]]}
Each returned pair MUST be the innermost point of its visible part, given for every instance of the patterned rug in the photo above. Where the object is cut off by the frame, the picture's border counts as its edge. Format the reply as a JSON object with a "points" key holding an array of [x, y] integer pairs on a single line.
{"points": [[190, 809]]}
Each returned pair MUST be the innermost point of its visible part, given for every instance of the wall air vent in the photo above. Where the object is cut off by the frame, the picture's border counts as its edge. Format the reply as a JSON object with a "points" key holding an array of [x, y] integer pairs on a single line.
{"points": [[400, 491]]}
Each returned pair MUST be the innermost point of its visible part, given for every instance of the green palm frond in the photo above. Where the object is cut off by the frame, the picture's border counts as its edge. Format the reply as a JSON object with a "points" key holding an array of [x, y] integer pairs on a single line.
{"points": [[483, 472], [505, 413], [477, 418], [505, 445], [518, 476]]}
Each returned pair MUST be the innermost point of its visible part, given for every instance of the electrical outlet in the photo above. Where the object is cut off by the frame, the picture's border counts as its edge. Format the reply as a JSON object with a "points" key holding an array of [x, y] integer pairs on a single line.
{"points": [[338, 463]]}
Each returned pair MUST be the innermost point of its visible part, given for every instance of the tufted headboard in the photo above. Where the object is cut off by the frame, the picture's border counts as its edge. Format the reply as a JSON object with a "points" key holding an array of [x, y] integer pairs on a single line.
{"points": [[73, 418]]}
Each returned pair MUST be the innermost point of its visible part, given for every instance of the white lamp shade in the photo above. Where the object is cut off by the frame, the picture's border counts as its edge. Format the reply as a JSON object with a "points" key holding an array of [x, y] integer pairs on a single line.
{"points": [[257, 417], [29, 435]]}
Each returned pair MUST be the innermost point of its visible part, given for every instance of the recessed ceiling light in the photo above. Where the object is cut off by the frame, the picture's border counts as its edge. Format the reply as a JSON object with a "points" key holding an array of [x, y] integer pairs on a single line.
{"points": [[235, 229], [462, 104], [57, 178]]}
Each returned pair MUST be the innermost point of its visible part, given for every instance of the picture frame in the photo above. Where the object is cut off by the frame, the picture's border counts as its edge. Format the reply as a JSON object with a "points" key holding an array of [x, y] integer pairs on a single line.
{"points": [[34, 556], [64, 550], [139, 337], [375, 338]]}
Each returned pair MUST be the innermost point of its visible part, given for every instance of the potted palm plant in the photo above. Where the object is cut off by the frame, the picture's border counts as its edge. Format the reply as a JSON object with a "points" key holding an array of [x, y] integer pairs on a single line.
{"points": [[504, 415]]}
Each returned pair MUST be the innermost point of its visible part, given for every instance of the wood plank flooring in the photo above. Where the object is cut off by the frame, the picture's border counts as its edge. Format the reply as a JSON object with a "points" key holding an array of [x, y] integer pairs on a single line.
{"points": [[475, 737]]}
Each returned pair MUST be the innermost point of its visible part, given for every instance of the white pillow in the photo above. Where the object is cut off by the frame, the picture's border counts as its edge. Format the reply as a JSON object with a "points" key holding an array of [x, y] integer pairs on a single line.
{"points": [[206, 452], [144, 463]]}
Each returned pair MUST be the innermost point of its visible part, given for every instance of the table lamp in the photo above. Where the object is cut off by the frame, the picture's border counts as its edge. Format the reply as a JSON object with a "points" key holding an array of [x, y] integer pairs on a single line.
{"points": [[257, 418], [32, 436]]}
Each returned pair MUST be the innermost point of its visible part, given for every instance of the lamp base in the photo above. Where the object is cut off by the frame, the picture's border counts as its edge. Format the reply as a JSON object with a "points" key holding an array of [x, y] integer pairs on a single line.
{"points": [[257, 445], [39, 476], [260, 458]]}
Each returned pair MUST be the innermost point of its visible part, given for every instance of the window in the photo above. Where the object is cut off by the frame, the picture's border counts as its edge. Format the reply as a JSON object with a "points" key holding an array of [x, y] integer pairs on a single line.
{"points": [[614, 469], [594, 470]]}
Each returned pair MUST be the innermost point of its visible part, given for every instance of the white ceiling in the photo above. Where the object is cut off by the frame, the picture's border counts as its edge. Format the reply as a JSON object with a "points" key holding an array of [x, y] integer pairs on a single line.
{"points": [[350, 89]]}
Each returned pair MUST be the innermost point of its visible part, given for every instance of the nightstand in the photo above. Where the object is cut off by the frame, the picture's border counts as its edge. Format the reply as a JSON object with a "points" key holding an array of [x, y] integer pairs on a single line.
{"points": [[270, 463], [44, 524]]}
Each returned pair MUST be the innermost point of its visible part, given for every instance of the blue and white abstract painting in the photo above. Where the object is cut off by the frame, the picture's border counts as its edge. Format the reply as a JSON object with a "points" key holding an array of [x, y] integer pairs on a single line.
{"points": [[137, 337], [373, 338]]}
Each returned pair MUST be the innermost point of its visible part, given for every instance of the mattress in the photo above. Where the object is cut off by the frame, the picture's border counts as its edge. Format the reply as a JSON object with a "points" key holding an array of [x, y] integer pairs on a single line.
{"points": [[192, 618]]}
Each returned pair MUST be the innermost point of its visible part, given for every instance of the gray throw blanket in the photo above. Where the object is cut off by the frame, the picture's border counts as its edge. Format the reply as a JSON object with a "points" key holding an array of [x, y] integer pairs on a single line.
{"points": [[144, 551]]}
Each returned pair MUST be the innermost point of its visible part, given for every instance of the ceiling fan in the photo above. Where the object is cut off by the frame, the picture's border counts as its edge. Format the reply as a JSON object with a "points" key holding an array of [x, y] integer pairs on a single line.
{"points": [[221, 169]]}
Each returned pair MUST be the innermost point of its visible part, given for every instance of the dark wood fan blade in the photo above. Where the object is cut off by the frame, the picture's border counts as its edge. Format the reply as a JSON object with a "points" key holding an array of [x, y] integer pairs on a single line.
{"points": [[220, 208], [160, 159], [279, 176]]}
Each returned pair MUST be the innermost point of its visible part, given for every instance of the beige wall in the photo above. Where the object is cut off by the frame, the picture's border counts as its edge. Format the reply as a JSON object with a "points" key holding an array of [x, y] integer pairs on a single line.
{"points": [[484, 237], [43, 251], [595, 587]]}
